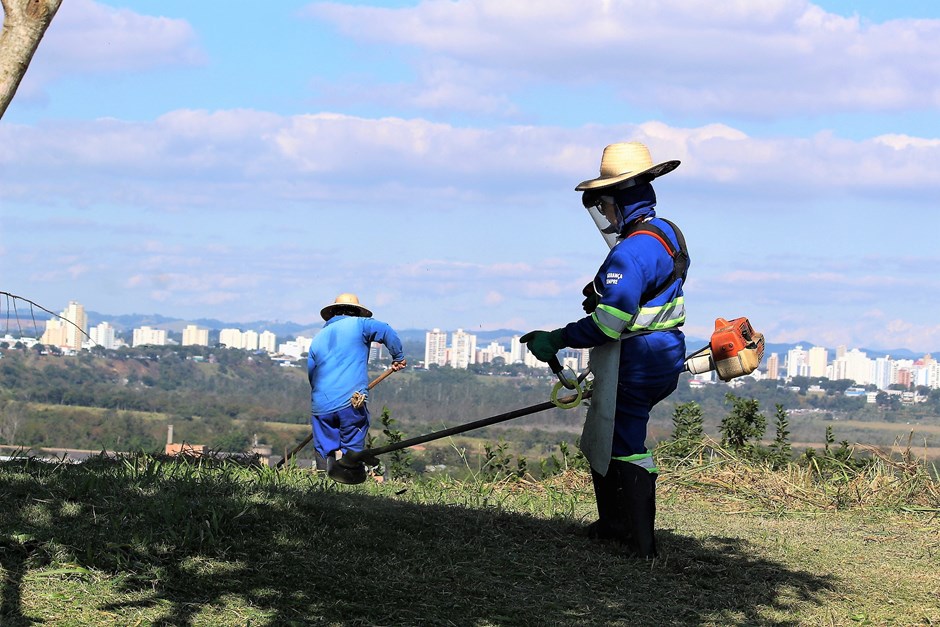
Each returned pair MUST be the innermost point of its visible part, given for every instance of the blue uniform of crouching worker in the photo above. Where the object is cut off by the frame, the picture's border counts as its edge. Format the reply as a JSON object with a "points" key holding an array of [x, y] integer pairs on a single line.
{"points": [[337, 368], [636, 301]]}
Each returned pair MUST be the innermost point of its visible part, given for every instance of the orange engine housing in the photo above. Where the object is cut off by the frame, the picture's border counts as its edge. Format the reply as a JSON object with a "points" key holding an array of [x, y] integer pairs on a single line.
{"points": [[736, 348]]}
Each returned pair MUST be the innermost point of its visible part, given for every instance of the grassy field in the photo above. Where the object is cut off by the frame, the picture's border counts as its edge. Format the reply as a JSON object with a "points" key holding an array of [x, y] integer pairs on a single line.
{"points": [[141, 541]]}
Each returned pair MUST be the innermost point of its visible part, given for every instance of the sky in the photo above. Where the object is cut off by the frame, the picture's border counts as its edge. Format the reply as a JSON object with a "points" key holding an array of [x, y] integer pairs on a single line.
{"points": [[221, 160]]}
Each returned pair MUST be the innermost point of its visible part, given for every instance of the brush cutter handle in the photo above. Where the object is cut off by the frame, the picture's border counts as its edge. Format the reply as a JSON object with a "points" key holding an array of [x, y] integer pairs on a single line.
{"points": [[566, 376], [381, 378]]}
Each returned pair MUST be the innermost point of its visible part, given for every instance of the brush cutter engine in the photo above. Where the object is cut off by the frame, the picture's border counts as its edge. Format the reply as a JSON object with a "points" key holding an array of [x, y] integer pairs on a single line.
{"points": [[735, 350]]}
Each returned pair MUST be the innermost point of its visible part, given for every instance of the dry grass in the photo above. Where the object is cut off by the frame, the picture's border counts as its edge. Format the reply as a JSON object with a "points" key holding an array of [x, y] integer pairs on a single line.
{"points": [[893, 480]]}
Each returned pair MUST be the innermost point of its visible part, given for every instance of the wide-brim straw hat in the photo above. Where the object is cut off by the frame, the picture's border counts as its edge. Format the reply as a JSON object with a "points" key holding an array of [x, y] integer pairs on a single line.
{"points": [[624, 161], [345, 301]]}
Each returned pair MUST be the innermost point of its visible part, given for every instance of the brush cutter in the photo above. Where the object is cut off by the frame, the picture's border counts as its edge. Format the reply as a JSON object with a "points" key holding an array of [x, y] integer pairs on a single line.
{"points": [[350, 468], [369, 456], [357, 400], [735, 350]]}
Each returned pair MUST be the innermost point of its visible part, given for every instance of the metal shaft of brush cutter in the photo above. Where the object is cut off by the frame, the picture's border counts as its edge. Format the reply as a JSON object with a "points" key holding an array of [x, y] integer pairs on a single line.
{"points": [[368, 455]]}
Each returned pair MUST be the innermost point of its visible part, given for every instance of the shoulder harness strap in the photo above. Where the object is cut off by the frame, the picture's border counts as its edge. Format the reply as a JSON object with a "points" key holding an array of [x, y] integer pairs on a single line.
{"points": [[680, 256]]}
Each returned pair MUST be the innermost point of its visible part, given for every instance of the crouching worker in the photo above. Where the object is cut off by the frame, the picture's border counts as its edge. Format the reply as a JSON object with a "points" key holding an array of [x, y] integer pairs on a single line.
{"points": [[635, 307], [337, 368]]}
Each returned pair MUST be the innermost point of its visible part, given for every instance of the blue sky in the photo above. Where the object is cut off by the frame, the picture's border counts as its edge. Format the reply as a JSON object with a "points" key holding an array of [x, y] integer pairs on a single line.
{"points": [[210, 160]]}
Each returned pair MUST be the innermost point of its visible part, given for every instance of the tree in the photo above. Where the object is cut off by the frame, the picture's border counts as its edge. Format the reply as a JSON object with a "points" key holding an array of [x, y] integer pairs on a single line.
{"points": [[780, 450], [743, 423], [24, 24], [688, 431]]}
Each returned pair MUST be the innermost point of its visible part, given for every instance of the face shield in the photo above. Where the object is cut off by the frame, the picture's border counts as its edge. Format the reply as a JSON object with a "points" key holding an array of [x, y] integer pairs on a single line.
{"points": [[605, 211], [610, 230], [613, 207]]}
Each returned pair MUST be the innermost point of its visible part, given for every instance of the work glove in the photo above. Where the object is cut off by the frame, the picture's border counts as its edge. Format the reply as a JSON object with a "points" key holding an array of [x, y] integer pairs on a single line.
{"points": [[589, 304], [543, 344]]}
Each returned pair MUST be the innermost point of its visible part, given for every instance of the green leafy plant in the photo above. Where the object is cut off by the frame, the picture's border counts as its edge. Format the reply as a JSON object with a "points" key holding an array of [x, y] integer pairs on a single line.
{"points": [[399, 462], [497, 461], [743, 424], [780, 452], [688, 430]]}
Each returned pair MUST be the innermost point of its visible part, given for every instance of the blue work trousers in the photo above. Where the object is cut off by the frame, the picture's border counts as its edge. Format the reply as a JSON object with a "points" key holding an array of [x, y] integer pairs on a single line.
{"points": [[634, 403], [344, 429]]}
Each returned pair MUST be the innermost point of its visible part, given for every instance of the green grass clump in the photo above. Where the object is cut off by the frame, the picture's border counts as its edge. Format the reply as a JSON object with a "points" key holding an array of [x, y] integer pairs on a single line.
{"points": [[150, 541]]}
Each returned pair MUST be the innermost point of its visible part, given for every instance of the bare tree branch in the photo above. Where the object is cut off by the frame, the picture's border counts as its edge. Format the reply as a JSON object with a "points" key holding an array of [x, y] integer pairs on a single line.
{"points": [[24, 24]]}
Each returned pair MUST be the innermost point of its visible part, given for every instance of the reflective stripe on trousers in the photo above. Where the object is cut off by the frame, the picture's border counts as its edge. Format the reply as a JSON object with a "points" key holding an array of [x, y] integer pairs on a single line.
{"points": [[643, 460]]}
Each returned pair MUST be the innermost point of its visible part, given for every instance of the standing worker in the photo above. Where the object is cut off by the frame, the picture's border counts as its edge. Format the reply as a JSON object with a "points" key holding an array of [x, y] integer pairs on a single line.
{"points": [[635, 306], [339, 381]]}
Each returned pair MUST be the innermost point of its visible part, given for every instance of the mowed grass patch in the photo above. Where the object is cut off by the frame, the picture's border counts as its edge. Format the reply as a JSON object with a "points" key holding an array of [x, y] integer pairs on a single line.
{"points": [[143, 541]]}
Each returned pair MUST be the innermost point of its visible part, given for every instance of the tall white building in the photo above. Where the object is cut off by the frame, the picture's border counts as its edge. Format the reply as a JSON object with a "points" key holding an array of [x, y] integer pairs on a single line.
{"points": [[463, 348], [883, 373], [67, 331], [54, 335], [491, 352], [932, 380], [796, 362], [854, 365], [267, 341], [296, 348], [517, 350], [817, 360], [230, 338], [75, 332], [195, 336], [250, 340], [584, 358], [147, 336], [435, 348], [773, 366], [103, 335], [532, 361]]}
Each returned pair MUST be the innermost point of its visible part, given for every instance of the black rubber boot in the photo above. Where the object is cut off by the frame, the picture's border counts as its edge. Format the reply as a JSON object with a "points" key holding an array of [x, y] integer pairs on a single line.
{"points": [[343, 471], [608, 524], [636, 500]]}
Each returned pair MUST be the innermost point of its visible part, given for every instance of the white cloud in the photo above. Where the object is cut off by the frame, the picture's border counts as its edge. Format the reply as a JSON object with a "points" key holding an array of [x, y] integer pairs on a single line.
{"points": [[245, 159], [762, 59], [164, 207], [493, 298], [89, 38], [901, 142]]}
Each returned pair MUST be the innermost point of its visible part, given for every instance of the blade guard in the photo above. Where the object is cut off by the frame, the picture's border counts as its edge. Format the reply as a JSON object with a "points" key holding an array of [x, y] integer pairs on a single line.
{"points": [[736, 348]]}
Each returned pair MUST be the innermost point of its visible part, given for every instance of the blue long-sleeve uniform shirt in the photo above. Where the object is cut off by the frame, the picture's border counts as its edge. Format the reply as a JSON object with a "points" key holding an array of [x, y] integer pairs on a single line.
{"points": [[634, 267], [337, 362]]}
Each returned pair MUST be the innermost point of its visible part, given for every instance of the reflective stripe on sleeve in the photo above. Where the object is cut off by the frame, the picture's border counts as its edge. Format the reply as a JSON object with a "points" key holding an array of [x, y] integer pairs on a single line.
{"points": [[667, 316], [617, 324], [611, 321]]}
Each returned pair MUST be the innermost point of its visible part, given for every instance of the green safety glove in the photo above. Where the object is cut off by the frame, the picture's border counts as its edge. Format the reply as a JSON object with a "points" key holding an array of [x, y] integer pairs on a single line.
{"points": [[589, 304], [543, 344], [591, 299]]}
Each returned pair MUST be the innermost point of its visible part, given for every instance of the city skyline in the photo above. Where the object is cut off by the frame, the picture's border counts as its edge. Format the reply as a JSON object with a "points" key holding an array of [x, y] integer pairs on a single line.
{"points": [[10, 312], [424, 155], [459, 349]]}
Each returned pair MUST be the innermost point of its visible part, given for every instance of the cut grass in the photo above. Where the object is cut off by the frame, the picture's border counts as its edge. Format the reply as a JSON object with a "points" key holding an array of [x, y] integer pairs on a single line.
{"points": [[145, 541]]}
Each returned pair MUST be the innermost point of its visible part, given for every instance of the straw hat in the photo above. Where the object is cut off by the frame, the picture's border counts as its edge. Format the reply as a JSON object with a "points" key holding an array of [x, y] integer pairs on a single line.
{"points": [[345, 301], [624, 161]]}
